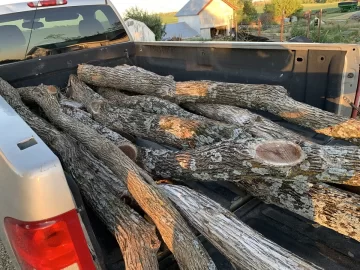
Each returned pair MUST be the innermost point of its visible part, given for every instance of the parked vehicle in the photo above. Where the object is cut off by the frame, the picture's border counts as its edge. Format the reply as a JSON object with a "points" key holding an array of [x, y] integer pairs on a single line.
{"points": [[46, 225]]}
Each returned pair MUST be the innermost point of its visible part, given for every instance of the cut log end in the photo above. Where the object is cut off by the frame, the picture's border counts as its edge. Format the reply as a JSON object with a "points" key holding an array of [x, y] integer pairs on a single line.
{"points": [[280, 153], [130, 151]]}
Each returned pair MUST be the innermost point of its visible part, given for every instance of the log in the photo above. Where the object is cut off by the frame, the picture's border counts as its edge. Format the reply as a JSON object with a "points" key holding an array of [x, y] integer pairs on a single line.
{"points": [[104, 192], [270, 98], [257, 125], [253, 158], [169, 130], [124, 144], [148, 104], [71, 108], [128, 78], [175, 232], [243, 246], [328, 206]]}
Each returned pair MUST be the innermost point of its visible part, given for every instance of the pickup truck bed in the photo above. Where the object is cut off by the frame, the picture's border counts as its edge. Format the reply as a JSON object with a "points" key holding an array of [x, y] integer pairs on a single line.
{"points": [[316, 74]]}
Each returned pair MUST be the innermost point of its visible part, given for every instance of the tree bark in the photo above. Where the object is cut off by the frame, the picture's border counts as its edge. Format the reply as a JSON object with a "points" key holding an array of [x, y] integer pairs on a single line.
{"points": [[124, 144], [148, 104], [243, 246], [326, 205], [257, 125], [137, 238], [177, 235], [273, 99], [128, 78], [170, 130], [253, 158]]}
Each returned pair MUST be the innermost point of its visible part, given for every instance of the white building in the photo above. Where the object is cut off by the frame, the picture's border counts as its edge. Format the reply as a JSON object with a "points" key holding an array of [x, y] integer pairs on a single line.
{"points": [[139, 31], [208, 17]]}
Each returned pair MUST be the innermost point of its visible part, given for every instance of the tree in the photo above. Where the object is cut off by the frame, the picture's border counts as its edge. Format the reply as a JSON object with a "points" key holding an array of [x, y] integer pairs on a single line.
{"points": [[249, 11], [153, 21], [288, 6]]}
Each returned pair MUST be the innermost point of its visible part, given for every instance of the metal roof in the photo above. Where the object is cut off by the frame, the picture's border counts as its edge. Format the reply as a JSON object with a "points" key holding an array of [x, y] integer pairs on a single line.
{"points": [[194, 7], [182, 30]]}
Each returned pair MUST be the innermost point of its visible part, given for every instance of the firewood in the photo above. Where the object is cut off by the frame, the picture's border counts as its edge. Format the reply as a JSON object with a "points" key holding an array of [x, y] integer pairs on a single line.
{"points": [[147, 104], [124, 144], [253, 158], [137, 238], [170, 130], [128, 78], [243, 246], [175, 232], [257, 125], [270, 98], [309, 200], [328, 206]]}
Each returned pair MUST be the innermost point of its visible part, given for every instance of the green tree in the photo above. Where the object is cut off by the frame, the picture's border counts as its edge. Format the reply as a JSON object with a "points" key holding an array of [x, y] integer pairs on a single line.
{"points": [[153, 21], [249, 11], [288, 6]]}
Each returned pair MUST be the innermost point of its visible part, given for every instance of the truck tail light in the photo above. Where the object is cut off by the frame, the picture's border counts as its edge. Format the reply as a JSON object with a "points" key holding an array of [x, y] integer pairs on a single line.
{"points": [[56, 243], [46, 3]]}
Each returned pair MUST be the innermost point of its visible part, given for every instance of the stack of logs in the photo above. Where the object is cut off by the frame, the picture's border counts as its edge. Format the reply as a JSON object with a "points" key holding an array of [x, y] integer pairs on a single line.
{"points": [[212, 139]]}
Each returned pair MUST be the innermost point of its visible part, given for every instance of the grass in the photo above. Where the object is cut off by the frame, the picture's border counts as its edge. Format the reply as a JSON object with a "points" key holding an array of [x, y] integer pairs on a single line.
{"points": [[168, 17], [320, 6], [260, 7], [332, 32]]}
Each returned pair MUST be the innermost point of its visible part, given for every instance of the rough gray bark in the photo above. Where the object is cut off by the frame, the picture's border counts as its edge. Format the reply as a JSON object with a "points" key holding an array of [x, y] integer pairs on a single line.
{"points": [[124, 144], [257, 125], [243, 246], [273, 99], [147, 104], [80, 92], [253, 158], [326, 205], [177, 235], [128, 78], [170, 130], [137, 238]]}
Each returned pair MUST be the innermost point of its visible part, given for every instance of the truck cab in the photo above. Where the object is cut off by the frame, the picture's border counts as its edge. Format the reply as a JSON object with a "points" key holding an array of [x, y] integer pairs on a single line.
{"points": [[45, 224]]}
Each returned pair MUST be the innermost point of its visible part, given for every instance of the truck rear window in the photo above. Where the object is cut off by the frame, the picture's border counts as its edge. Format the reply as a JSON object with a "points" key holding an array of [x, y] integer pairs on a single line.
{"points": [[32, 34]]}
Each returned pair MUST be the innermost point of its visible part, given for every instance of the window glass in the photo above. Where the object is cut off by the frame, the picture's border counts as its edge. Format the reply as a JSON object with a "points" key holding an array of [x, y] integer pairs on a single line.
{"points": [[15, 33], [58, 30]]}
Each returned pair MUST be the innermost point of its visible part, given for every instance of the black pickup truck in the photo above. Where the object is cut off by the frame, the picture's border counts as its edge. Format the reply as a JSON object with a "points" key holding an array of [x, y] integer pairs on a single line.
{"points": [[46, 44]]}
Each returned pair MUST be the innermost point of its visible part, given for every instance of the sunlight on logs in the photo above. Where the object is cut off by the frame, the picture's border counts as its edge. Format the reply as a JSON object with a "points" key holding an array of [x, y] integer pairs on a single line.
{"points": [[346, 130]]}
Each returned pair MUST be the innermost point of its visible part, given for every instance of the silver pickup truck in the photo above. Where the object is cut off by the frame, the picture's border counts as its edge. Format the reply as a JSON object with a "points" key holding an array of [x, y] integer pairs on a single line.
{"points": [[44, 222]]}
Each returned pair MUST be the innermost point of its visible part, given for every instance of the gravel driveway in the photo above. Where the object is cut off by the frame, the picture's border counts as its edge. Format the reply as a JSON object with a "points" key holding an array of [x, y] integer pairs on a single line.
{"points": [[5, 263]]}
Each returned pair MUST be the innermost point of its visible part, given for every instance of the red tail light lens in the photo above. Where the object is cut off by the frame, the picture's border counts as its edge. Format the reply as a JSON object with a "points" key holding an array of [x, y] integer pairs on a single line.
{"points": [[47, 3], [56, 243]]}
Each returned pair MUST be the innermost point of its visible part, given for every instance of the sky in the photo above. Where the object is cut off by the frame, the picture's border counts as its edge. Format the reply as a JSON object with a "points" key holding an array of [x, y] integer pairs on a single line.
{"points": [[150, 5]]}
